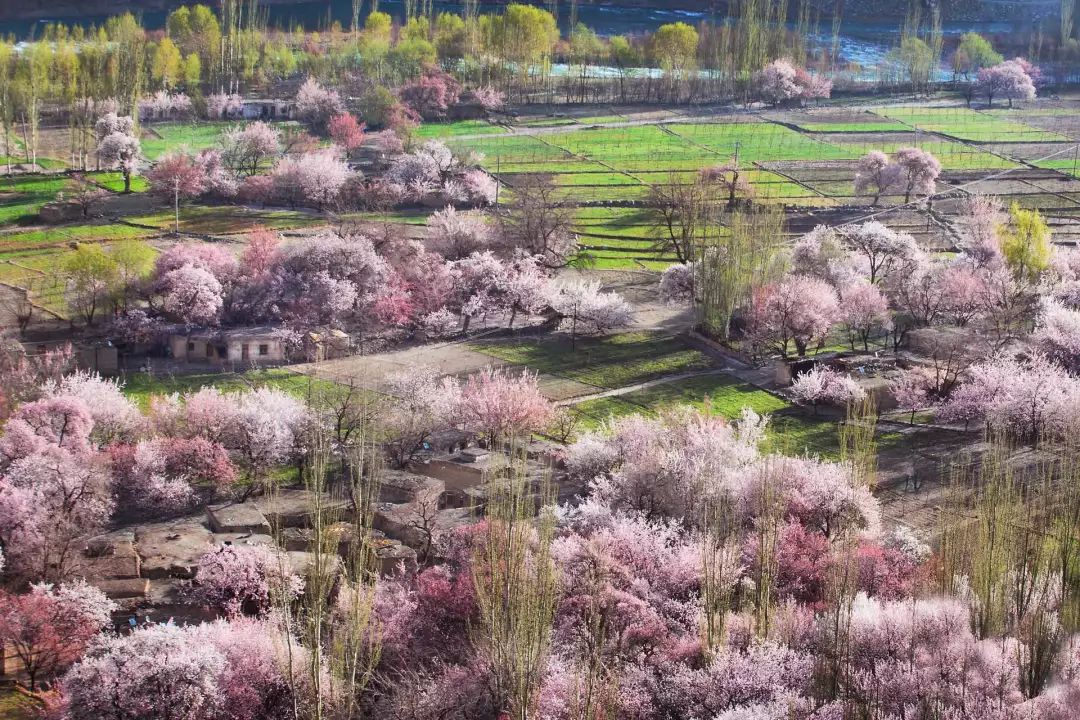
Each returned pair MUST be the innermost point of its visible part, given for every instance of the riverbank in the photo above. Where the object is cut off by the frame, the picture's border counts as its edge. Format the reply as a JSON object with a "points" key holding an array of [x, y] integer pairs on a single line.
{"points": [[618, 16]]}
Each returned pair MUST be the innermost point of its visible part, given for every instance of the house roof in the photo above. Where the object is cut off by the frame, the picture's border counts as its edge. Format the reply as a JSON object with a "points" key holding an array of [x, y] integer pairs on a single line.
{"points": [[261, 332]]}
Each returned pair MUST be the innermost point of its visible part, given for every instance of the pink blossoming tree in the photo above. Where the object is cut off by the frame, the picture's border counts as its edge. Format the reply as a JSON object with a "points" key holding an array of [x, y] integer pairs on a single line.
{"points": [[49, 628], [503, 407], [797, 311]]}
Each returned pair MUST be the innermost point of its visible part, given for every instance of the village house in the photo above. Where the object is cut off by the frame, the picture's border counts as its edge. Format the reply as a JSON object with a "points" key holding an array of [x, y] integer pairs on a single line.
{"points": [[236, 347], [268, 109]]}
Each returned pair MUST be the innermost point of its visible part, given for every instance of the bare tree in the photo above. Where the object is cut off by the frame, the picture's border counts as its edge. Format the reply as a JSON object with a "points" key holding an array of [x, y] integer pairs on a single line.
{"points": [[681, 213], [539, 221], [86, 195], [18, 304], [422, 520]]}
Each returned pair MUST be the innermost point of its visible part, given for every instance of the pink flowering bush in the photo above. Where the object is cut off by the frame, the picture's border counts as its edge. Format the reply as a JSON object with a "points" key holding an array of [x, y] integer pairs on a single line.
{"points": [[320, 281], [587, 310], [677, 283], [919, 171], [823, 385], [864, 310], [1026, 398], [246, 149], [915, 389], [243, 579], [243, 669], [114, 415], [1057, 335], [821, 254], [191, 296], [62, 422], [781, 81], [431, 94], [220, 106], [177, 176], [120, 150], [456, 235], [316, 104], [346, 131], [480, 188], [883, 250], [218, 261], [163, 476], [163, 105], [315, 178], [1011, 79], [876, 175]]}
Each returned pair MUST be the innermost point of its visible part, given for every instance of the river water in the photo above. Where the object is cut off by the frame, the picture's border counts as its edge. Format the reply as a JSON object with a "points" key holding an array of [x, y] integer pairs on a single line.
{"points": [[861, 41]]}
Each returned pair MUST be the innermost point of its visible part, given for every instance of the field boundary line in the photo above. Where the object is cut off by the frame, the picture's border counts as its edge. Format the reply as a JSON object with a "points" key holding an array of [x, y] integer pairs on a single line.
{"points": [[33, 304], [601, 163], [960, 141], [791, 178], [1048, 191], [1021, 122]]}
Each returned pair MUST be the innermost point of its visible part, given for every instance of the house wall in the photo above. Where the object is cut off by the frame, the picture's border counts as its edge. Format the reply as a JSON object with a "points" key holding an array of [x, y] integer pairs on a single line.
{"points": [[274, 351], [267, 110], [187, 349], [456, 476]]}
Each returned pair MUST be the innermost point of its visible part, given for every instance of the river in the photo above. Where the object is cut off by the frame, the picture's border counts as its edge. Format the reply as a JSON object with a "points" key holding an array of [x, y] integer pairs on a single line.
{"points": [[861, 41]]}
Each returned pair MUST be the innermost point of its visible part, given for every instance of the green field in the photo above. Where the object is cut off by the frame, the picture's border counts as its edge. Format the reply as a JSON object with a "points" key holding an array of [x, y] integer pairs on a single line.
{"points": [[16, 706], [227, 219], [462, 127], [64, 234], [611, 361], [969, 125], [789, 431], [140, 387], [159, 139], [22, 196], [114, 181], [853, 127]]}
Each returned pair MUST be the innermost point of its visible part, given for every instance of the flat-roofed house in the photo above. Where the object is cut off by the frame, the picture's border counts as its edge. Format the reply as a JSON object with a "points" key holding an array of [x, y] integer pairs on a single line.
{"points": [[259, 345]]}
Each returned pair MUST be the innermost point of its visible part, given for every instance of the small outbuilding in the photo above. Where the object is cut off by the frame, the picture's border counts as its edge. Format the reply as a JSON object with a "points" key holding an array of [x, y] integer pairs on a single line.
{"points": [[327, 345]]}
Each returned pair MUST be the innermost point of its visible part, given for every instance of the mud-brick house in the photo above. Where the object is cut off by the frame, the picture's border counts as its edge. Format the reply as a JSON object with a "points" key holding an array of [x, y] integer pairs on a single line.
{"points": [[268, 109], [326, 345], [260, 345]]}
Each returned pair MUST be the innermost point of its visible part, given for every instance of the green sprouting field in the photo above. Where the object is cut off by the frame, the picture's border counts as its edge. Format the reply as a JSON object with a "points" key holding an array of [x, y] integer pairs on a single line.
{"points": [[967, 124], [226, 219], [607, 362], [114, 181], [788, 431], [65, 234], [462, 127], [140, 387], [159, 139], [21, 196]]}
